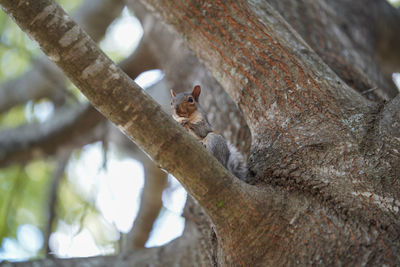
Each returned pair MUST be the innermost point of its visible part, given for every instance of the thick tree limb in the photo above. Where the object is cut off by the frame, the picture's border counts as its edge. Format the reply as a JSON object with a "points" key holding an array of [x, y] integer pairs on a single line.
{"points": [[389, 123], [301, 116], [338, 32], [282, 52]]}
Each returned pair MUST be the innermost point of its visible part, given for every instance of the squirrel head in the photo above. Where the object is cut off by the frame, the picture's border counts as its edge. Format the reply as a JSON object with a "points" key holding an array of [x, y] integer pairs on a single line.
{"points": [[185, 104]]}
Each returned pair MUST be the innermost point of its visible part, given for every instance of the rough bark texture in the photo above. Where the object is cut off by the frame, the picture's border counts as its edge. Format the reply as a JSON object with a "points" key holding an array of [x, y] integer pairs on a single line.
{"points": [[324, 158], [313, 139], [353, 38]]}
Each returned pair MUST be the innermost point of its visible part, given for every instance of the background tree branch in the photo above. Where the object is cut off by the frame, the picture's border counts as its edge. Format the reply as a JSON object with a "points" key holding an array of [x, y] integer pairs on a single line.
{"points": [[70, 127], [53, 195], [150, 206]]}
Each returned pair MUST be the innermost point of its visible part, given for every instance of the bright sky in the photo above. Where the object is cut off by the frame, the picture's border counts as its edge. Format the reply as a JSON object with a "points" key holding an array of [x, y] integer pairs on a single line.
{"points": [[393, 1], [396, 79], [116, 193]]}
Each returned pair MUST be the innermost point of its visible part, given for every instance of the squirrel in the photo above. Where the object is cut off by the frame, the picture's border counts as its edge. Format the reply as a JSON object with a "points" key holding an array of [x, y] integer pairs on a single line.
{"points": [[188, 113]]}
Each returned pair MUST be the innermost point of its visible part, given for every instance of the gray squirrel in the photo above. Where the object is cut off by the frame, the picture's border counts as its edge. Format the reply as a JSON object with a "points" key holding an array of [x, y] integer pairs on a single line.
{"points": [[188, 113]]}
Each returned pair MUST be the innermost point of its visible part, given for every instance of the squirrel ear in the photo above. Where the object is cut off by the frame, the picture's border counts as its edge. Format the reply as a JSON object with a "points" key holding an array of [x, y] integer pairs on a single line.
{"points": [[173, 94], [196, 92]]}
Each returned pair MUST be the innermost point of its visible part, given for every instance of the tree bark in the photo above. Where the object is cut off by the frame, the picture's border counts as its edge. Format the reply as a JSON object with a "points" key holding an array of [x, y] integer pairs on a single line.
{"points": [[311, 133], [356, 39], [323, 158]]}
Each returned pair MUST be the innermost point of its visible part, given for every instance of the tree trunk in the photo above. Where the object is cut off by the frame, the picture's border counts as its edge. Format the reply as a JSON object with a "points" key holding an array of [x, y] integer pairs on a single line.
{"points": [[324, 156], [316, 143]]}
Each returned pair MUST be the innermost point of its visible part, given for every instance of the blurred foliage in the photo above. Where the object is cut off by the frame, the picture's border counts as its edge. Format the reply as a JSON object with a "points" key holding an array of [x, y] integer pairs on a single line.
{"points": [[71, 204], [23, 196], [69, 5], [16, 50], [13, 117], [395, 3], [24, 189]]}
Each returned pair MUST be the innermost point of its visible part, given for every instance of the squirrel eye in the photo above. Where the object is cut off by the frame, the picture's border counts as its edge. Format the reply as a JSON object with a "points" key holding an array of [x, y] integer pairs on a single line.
{"points": [[190, 99]]}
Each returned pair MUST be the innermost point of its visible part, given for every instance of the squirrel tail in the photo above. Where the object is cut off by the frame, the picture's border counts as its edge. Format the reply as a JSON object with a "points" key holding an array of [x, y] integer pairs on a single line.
{"points": [[236, 163], [226, 154]]}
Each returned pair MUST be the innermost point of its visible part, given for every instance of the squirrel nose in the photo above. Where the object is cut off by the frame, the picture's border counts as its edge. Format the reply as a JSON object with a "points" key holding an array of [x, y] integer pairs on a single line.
{"points": [[178, 109]]}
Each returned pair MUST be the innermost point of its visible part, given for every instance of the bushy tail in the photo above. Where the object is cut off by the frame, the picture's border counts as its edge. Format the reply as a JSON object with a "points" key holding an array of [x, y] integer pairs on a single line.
{"points": [[226, 154], [236, 163]]}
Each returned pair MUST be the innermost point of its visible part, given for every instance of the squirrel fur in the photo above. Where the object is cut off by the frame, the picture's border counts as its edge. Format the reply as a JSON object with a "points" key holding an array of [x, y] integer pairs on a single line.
{"points": [[188, 113]]}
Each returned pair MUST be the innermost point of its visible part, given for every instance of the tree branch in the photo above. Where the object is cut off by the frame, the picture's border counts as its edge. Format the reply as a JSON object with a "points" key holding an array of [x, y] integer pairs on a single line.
{"points": [[389, 124], [43, 80], [89, 13], [272, 41], [53, 194], [68, 127], [150, 206], [336, 31], [151, 196], [25, 145], [307, 126], [113, 93]]}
